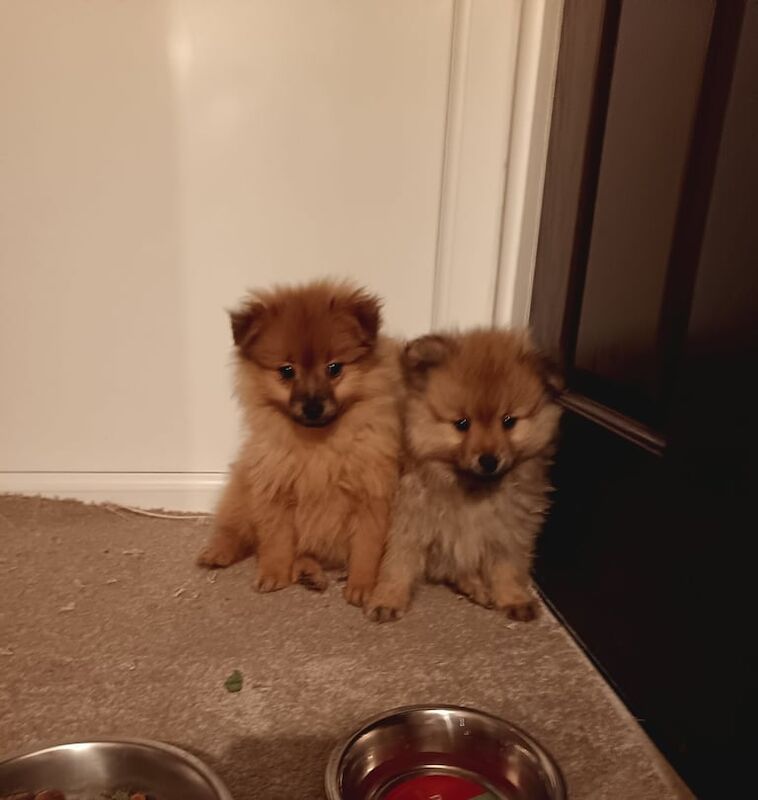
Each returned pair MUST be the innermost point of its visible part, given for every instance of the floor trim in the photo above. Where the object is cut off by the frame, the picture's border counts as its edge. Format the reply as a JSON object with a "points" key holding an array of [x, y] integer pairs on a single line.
{"points": [[176, 491]]}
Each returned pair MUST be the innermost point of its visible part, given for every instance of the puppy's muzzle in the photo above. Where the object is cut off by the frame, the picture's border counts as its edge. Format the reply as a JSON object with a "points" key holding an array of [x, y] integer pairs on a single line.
{"points": [[314, 411], [488, 463], [487, 467]]}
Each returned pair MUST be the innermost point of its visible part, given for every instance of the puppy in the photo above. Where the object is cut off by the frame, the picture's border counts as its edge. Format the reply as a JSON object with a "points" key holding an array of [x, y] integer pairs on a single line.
{"points": [[480, 428], [313, 483]]}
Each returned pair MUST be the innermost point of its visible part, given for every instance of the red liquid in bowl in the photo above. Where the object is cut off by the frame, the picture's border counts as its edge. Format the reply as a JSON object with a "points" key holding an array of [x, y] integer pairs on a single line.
{"points": [[438, 787]]}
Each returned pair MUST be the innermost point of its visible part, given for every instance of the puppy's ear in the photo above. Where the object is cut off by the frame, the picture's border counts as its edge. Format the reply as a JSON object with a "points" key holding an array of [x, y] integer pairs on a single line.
{"points": [[367, 310], [550, 373], [421, 354], [247, 323], [544, 365]]}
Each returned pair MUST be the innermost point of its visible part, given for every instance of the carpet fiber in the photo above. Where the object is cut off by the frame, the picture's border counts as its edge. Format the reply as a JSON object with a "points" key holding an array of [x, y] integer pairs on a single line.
{"points": [[107, 628]]}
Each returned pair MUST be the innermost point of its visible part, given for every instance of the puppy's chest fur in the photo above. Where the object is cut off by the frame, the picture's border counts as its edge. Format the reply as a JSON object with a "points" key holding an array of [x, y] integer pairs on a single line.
{"points": [[461, 528], [323, 481]]}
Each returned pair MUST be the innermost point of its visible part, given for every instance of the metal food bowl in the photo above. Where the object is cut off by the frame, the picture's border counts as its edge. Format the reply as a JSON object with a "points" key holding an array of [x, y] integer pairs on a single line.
{"points": [[409, 742], [87, 769]]}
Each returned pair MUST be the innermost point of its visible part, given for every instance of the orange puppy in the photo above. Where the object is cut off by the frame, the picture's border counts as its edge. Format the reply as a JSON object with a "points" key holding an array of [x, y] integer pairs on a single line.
{"points": [[316, 473], [481, 424]]}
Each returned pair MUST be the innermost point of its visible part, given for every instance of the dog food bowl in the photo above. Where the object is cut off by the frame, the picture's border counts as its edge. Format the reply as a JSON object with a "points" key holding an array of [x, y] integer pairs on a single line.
{"points": [[87, 769], [443, 752]]}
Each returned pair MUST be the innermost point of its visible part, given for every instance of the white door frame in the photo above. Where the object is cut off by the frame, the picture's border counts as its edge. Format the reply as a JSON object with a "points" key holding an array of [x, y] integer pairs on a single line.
{"points": [[503, 62]]}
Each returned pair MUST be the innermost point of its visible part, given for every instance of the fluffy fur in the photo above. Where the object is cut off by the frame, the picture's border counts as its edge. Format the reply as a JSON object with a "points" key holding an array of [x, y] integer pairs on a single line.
{"points": [[481, 423], [312, 488]]}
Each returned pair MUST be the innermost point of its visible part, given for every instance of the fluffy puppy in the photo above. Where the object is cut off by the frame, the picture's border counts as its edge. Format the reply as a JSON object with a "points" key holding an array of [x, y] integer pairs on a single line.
{"points": [[313, 483], [480, 429]]}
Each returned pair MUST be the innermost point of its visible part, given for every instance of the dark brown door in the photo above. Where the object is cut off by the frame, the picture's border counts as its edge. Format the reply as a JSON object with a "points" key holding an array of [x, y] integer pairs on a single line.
{"points": [[646, 289]]}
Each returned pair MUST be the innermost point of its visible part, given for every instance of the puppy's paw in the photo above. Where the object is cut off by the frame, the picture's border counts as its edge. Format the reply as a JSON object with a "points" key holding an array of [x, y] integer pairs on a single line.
{"points": [[384, 613], [218, 553], [522, 612], [271, 580], [308, 572], [316, 582], [481, 597], [516, 600], [387, 604], [476, 592], [357, 593]]}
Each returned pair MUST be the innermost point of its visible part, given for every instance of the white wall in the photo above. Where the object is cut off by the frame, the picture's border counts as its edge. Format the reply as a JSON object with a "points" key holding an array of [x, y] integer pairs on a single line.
{"points": [[158, 157]]}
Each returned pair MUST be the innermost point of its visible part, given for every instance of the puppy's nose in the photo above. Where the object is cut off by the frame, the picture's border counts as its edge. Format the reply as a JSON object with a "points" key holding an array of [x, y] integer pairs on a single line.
{"points": [[313, 409], [488, 462]]}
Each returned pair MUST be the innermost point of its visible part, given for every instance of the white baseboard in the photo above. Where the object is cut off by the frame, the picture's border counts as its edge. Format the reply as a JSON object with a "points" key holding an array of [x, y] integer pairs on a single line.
{"points": [[175, 491]]}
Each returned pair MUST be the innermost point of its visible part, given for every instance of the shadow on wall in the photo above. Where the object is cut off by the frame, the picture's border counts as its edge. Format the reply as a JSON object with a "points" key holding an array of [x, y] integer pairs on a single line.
{"points": [[273, 768]]}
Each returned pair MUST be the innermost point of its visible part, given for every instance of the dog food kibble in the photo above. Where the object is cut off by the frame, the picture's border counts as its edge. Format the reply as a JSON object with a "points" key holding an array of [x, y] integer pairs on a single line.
{"points": [[439, 787]]}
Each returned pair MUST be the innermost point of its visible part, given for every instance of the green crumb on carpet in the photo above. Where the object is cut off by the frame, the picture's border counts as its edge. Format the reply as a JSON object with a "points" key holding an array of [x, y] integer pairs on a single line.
{"points": [[234, 682]]}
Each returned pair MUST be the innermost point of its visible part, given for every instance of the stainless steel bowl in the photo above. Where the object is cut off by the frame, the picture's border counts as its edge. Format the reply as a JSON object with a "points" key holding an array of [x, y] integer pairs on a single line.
{"points": [[85, 769], [408, 742]]}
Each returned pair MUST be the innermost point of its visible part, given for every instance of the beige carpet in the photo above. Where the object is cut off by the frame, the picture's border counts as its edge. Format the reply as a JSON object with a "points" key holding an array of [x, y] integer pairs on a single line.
{"points": [[107, 628]]}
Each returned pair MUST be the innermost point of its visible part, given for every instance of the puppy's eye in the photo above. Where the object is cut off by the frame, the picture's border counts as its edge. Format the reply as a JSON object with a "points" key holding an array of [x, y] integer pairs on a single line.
{"points": [[287, 371], [509, 421], [334, 369], [462, 424]]}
